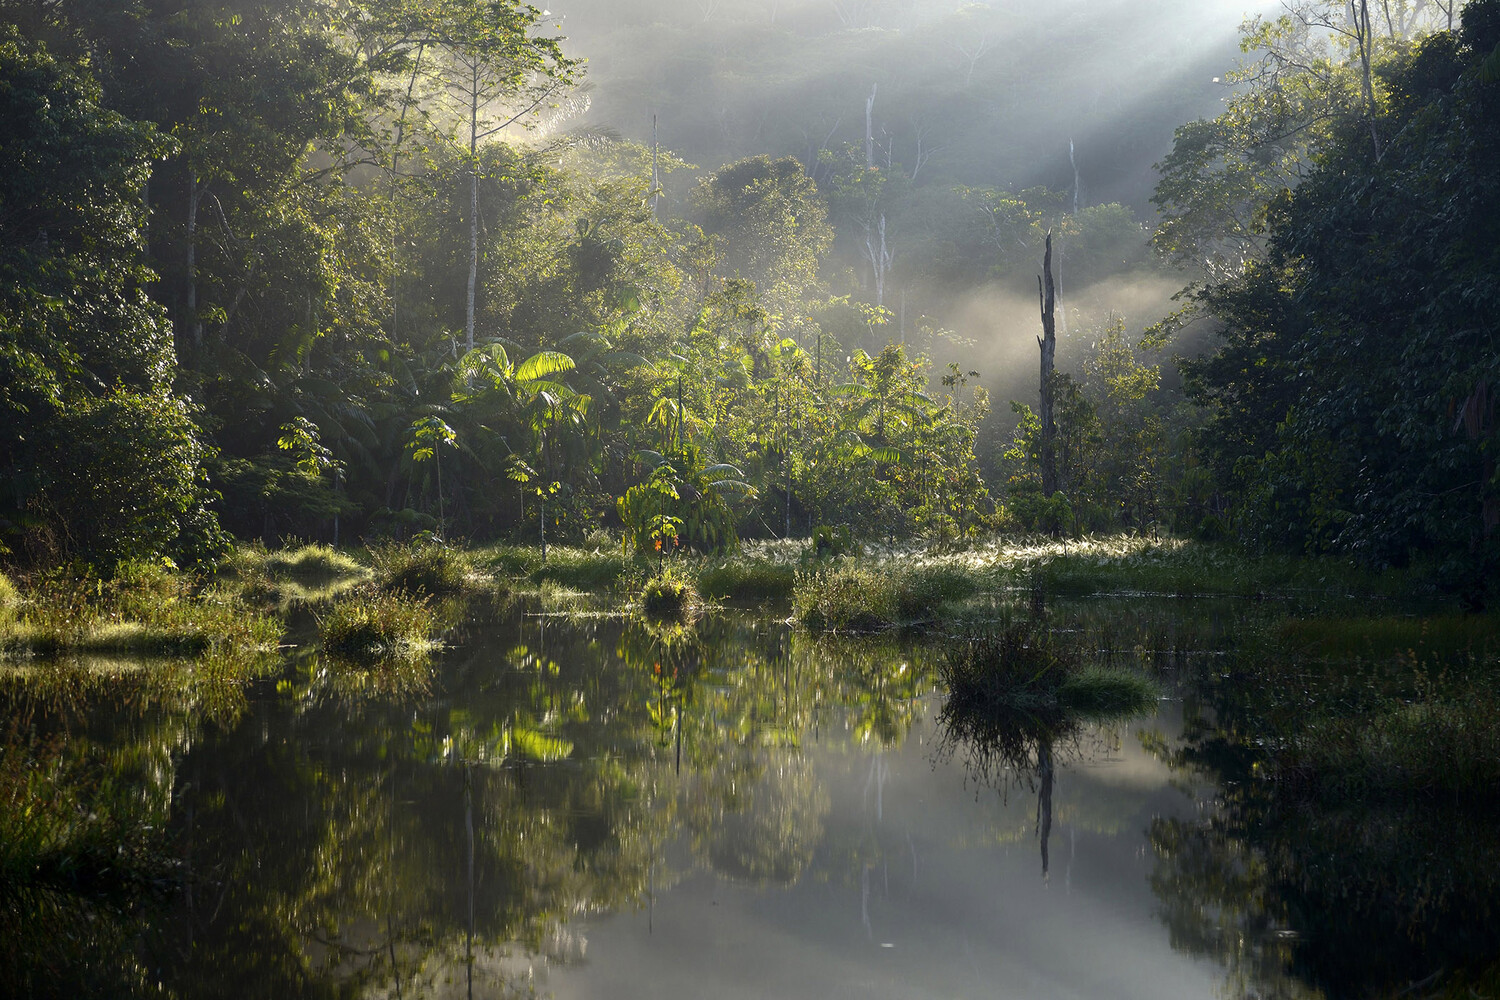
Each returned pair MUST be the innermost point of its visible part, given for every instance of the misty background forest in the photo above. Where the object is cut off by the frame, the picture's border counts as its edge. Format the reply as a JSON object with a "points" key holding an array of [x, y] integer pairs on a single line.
{"points": [[694, 272]]}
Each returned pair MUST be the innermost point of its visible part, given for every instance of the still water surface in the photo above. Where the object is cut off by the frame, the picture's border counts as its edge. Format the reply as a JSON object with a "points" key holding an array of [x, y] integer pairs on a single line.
{"points": [[591, 809]]}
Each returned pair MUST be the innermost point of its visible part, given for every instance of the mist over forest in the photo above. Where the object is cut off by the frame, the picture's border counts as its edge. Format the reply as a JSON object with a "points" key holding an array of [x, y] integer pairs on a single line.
{"points": [[1080, 100]]}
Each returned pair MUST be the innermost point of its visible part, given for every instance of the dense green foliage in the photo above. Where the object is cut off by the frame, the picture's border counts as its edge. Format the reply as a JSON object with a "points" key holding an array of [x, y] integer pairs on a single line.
{"points": [[1351, 406]]}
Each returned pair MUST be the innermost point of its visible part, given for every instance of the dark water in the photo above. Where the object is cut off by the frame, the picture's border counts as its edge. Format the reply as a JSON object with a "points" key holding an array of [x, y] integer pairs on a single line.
{"points": [[591, 809]]}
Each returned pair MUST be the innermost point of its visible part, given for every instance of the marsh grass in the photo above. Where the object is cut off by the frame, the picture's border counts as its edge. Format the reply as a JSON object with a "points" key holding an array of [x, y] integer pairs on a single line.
{"points": [[143, 610], [1433, 639], [367, 626], [858, 596], [9, 599], [1441, 749], [315, 562], [1139, 565], [421, 569], [750, 581]]}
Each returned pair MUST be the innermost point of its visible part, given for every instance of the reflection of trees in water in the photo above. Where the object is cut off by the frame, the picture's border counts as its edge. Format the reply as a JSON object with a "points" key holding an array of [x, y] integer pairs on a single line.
{"points": [[1297, 897], [323, 832], [758, 816]]}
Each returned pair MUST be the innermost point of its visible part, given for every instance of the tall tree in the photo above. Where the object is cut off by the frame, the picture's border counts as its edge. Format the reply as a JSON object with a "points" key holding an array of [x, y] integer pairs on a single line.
{"points": [[100, 458]]}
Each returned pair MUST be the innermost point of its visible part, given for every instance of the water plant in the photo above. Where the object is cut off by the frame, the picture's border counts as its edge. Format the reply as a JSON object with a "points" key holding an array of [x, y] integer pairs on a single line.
{"points": [[1025, 666], [313, 562], [757, 581]]}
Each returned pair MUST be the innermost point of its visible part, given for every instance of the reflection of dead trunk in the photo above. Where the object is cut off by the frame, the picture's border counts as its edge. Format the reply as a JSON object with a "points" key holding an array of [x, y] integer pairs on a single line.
{"points": [[1047, 291], [1044, 797], [469, 828]]}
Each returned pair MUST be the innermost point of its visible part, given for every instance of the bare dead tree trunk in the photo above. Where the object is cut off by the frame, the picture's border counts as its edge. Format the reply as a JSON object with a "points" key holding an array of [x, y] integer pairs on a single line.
{"points": [[880, 259], [655, 171], [870, 129], [1047, 292]]}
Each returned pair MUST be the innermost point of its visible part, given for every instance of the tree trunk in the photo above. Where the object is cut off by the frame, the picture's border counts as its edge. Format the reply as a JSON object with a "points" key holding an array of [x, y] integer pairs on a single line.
{"points": [[870, 129], [1048, 343], [195, 195], [473, 211]]}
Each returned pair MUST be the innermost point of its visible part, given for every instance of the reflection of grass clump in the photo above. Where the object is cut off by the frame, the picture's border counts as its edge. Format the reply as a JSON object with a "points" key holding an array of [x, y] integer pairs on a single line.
{"points": [[669, 594], [364, 626], [425, 568], [758, 580], [62, 829], [862, 598]]}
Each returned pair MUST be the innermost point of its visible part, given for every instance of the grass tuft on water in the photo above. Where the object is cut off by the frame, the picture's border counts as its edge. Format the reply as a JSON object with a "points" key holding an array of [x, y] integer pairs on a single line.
{"points": [[670, 595], [1023, 666], [368, 626], [313, 562], [755, 581]]}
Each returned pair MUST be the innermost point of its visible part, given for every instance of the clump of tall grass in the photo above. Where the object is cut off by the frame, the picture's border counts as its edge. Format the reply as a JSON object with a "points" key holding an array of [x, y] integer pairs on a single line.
{"points": [[860, 597], [579, 569], [424, 568], [1024, 666], [143, 610], [313, 562], [10, 599], [670, 594], [364, 626]]}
